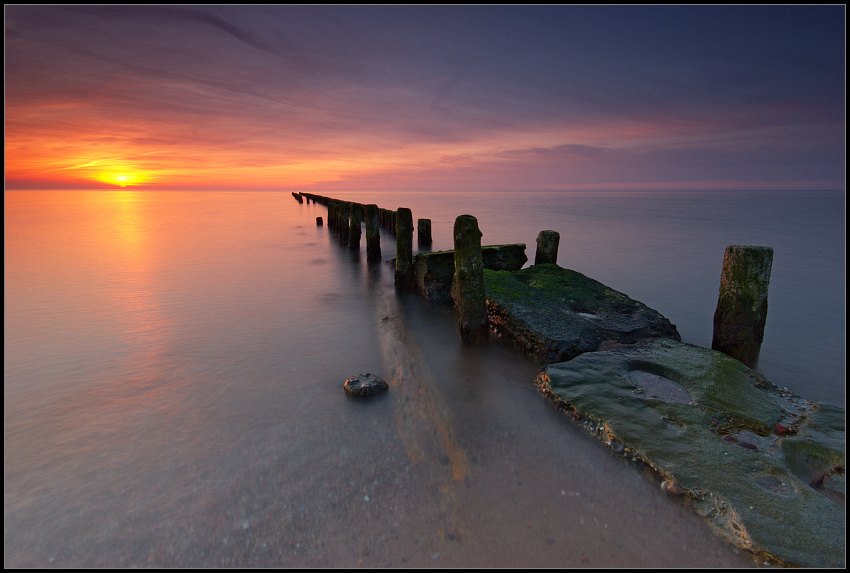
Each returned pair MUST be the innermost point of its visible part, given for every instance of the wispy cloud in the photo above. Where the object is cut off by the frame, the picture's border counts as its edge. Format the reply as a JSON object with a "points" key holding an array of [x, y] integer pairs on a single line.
{"points": [[406, 96]]}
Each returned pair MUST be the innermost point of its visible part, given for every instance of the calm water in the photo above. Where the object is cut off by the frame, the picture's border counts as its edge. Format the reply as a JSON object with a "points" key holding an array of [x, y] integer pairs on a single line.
{"points": [[173, 368]]}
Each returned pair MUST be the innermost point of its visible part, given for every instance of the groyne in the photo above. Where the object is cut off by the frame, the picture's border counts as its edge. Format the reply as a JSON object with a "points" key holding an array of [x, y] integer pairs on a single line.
{"points": [[763, 466]]}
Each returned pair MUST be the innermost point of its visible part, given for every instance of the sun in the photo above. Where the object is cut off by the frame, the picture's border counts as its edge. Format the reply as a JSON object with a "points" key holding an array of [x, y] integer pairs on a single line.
{"points": [[122, 179]]}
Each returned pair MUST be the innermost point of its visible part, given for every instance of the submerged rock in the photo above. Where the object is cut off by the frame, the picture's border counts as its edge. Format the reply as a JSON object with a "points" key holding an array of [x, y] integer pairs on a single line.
{"points": [[762, 465], [364, 385], [555, 314]]}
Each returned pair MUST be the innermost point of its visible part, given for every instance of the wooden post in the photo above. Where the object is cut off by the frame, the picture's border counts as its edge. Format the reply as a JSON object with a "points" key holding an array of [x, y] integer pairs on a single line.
{"points": [[547, 247], [373, 234], [404, 248], [468, 286], [354, 232], [742, 303], [318, 221], [344, 226], [423, 231], [333, 215]]}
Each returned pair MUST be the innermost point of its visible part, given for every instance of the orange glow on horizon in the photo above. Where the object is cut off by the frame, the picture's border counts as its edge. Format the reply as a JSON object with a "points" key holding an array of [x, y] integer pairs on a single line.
{"points": [[513, 158], [122, 179]]}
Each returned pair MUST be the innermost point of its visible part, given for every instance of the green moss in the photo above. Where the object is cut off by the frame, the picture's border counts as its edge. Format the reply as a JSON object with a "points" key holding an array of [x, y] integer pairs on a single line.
{"points": [[759, 496], [746, 273], [555, 314], [819, 444], [550, 284]]}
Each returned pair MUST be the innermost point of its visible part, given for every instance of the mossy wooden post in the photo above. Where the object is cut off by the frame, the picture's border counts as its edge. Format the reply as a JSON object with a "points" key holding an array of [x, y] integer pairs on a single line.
{"points": [[547, 247], [331, 215], [742, 304], [337, 218], [373, 234], [354, 231], [423, 231], [344, 226], [468, 286], [404, 248]]}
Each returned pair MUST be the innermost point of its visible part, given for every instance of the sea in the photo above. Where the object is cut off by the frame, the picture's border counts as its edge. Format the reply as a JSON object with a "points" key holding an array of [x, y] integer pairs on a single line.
{"points": [[174, 365]]}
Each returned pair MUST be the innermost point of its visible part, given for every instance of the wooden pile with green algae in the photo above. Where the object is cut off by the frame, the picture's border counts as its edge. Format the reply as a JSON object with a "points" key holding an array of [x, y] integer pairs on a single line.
{"points": [[762, 465]]}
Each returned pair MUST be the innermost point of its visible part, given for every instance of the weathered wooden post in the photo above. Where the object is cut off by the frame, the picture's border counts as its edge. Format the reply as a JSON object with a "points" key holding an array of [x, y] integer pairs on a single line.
{"points": [[354, 233], [404, 248], [547, 247], [423, 231], [373, 234], [742, 304], [318, 221], [333, 215], [344, 226], [468, 285]]}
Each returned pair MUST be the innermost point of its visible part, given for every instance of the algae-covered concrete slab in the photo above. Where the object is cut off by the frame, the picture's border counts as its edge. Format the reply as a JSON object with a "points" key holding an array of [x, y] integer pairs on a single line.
{"points": [[434, 271], [555, 314], [762, 465]]}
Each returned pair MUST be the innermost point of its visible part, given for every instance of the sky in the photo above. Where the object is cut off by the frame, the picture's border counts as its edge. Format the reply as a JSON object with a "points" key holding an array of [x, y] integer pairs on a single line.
{"points": [[425, 98]]}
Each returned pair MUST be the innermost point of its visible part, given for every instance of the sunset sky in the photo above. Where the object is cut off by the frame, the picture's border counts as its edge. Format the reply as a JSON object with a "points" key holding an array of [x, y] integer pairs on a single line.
{"points": [[425, 98]]}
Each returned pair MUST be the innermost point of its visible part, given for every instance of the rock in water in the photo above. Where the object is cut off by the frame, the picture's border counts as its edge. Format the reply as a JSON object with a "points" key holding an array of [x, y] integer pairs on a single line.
{"points": [[364, 385]]}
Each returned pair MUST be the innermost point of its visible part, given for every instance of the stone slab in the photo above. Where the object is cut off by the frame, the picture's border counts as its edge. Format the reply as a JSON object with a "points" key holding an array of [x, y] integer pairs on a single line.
{"points": [[433, 271], [554, 314], [762, 465]]}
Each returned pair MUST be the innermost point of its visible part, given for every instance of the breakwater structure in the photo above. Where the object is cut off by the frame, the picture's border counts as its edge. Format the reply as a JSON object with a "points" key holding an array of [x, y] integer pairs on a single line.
{"points": [[762, 465]]}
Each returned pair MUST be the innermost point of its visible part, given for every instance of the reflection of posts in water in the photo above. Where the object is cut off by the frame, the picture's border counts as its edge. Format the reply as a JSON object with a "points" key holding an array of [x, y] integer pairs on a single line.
{"points": [[373, 235], [742, 303], [468, 285], [404, 248], [354, 232], [422, 417], [547, 247]]}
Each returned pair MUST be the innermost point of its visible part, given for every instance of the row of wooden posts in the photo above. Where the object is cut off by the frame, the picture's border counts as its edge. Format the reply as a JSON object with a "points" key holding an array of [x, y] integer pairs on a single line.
{"points": [[345, 218], [739, 319]]}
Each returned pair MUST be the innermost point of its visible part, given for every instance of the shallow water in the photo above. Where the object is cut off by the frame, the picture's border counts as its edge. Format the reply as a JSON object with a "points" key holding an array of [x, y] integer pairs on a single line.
{"points": [[173, 373]]}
